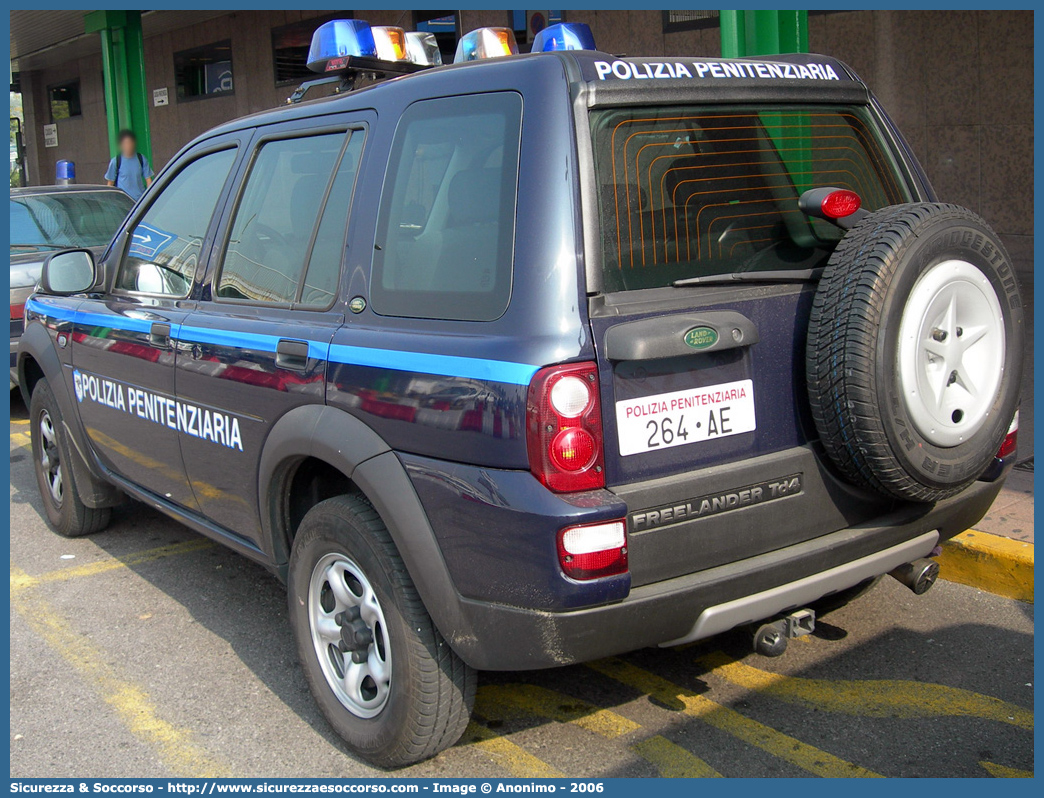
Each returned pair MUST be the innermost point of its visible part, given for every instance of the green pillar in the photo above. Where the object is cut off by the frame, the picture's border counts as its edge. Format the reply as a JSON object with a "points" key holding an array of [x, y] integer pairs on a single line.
{"points": [[760, 32], [123, 68], [756, 33]]}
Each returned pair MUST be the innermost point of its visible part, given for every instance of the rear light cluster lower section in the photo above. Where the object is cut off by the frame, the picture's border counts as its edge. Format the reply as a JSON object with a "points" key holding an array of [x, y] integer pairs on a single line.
{"points": [[1011, 440], [592, 551], [564, 428]]}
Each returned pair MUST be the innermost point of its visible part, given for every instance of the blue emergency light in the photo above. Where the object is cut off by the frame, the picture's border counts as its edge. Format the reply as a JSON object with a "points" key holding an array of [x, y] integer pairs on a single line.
{"points": [[334, 42], [564, 36]]}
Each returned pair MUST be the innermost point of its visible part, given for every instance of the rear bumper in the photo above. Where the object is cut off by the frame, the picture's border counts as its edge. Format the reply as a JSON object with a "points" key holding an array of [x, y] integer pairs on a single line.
{"points": [[500, 637]]}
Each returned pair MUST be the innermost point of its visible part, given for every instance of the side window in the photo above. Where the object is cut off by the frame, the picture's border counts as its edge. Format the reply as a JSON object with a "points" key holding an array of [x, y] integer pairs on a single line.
{"points": [[268, 246], [446, 226], [324, 263], [165, 244]]}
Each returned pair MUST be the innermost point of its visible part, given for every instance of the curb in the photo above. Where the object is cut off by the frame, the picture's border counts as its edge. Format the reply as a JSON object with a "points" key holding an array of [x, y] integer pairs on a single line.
{"points": [[989, 562]]}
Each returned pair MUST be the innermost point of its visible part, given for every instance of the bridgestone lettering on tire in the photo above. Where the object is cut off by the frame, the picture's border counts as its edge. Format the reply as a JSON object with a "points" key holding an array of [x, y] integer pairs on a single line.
{"points": [[417, 696], [914, 355]]}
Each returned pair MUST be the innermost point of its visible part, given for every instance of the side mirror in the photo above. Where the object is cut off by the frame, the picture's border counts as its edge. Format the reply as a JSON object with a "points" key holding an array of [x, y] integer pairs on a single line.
{"points": [[68, 272]]}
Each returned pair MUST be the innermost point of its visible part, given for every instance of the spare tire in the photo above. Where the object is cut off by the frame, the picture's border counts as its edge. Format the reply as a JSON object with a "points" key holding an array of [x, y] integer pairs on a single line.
{"points": [[914, 353]]}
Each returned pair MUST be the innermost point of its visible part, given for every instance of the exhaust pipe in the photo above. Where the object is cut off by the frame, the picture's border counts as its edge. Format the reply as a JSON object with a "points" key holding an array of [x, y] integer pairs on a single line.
{"points": [[918, 575]]}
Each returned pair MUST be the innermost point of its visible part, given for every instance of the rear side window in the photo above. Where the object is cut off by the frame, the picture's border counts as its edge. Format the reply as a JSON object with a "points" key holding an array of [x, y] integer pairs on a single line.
{"points": [[271, 239], [446, 227], [687, 192]]}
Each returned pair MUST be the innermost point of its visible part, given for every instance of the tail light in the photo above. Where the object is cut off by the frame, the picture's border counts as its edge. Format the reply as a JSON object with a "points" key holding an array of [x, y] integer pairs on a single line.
{"points": [[17, 311], [593, 550], [1011, 440], [564, 428]]}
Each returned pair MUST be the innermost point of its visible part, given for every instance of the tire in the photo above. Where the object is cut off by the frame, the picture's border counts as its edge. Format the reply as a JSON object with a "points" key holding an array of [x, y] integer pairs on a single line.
{"points": [[903, 406], [425, 705], [52, 454]]}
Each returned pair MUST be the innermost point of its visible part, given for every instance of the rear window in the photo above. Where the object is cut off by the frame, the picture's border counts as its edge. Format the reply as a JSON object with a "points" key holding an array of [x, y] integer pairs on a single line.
{"points": [[446, 228], [689, 192]]}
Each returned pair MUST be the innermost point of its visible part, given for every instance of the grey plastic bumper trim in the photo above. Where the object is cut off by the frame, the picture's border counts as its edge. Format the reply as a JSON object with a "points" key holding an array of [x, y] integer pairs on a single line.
{"points": [[722, 617]]}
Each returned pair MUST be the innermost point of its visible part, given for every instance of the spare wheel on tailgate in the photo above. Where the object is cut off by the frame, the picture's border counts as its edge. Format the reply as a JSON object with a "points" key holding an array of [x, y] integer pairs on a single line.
{"points": [[914, 355]]}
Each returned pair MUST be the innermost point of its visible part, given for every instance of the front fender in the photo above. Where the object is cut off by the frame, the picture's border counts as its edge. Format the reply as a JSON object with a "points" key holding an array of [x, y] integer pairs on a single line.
{"points": [[94, 488]]}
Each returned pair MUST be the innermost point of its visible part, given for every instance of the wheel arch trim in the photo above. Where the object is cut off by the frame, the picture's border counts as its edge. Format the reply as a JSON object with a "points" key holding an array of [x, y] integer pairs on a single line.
{"points": [[91, 482], [344, 442]]}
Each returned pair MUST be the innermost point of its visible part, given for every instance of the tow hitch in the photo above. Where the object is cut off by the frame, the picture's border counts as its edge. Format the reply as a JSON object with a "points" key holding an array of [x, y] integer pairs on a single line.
{"points": [[771, 638]]}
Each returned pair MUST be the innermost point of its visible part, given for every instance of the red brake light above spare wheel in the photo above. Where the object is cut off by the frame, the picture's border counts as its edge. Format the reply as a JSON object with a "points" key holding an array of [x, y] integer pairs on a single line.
{"points": [[564, 428], [840, 206], [840, 203]]}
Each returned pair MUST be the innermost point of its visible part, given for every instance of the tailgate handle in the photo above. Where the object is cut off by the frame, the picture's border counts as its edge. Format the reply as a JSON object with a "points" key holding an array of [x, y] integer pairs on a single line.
{"points": [[292, 355], [672, 336]]}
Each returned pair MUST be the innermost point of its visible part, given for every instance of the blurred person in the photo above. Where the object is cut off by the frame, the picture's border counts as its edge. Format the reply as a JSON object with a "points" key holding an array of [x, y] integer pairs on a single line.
{"points": [[129, 170]]}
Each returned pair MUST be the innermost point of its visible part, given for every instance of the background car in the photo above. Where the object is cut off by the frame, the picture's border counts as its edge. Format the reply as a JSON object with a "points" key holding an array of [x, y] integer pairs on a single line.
{"points": [[49, 218]]}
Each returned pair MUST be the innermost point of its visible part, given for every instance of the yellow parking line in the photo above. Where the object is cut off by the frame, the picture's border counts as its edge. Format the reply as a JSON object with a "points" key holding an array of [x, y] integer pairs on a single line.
{"points": [[671, 760], [877, 698], [513, 758], [1004, 772], [23, 580], [804, 756], [135, 709], [21, 439], [20, 421], [530, 699]]}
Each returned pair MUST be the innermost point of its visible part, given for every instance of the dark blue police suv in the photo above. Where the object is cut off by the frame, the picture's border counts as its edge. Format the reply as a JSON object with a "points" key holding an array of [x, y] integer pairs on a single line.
{"points": [[529, 360]]}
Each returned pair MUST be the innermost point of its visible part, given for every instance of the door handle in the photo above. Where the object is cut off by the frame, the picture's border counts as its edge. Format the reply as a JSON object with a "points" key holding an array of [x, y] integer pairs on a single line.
{"points": [[159, 335], [292, 355]]}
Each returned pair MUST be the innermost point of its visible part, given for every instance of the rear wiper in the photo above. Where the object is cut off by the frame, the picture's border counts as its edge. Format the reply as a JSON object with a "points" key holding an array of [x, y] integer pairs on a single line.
{"points": [[778, 276]]}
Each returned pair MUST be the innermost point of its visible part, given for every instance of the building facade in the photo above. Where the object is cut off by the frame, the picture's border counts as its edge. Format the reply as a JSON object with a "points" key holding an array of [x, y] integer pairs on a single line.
{"points": [[958, 83]]}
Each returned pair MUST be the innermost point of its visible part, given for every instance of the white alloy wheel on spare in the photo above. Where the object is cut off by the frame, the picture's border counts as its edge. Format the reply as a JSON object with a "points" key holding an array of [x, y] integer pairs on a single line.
{"points": [[951, 352]]}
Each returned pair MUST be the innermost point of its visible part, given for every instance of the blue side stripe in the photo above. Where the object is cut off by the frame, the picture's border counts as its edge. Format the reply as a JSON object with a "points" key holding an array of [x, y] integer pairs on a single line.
{"points": [[423, 362], [246, 340], [427, 363], [92, 319]]}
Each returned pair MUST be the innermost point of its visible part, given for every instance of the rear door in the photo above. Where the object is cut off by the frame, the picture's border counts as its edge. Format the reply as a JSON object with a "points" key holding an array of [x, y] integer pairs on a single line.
{"points": [[704, 384], [257, 346], [124, 342]]}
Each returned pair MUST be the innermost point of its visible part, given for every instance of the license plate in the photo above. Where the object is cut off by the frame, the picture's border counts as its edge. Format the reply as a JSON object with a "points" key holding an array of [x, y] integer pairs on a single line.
{"points": [[683, 417]]}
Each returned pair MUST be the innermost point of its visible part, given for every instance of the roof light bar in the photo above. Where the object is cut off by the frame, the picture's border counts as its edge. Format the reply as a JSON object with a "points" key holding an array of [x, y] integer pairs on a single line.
{"points": [[342, 50], [485, 43], [390, 42], [337, 40], [422, 48], [564, 36]]}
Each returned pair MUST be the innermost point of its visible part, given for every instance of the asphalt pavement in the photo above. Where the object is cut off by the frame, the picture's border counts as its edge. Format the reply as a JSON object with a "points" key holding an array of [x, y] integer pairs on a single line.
{"points": [[148, 651]]}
